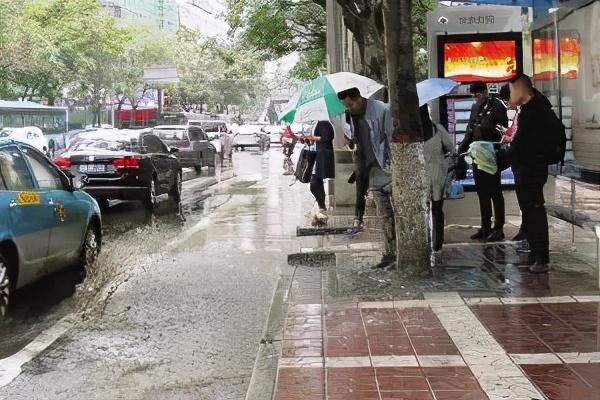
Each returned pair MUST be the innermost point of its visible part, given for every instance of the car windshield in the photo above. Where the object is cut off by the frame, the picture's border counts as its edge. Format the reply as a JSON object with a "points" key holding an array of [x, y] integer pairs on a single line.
{"points": [[169, 134]]}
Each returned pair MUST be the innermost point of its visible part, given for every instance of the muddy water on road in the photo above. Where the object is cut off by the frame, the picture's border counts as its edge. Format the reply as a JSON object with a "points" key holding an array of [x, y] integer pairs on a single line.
{"points": [[175, 310]]}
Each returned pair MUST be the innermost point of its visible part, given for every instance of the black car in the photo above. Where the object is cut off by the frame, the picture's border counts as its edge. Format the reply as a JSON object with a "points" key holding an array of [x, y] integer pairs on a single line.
{"points": [[195, 149], [123, 165]]}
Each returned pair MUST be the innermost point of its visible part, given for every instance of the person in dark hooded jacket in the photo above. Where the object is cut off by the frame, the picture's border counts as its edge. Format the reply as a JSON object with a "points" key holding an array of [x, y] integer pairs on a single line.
{"points": [[530, 167]]}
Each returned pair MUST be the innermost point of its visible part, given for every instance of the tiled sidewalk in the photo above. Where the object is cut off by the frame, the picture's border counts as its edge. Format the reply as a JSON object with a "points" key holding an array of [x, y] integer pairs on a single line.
{"points": [[442, 347]]}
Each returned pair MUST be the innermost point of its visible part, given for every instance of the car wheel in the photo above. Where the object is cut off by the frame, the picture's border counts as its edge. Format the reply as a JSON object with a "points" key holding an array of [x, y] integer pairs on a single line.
{"points": [[151, 199], [198, 167], [103, 204], [91, 246], [7, 286], [175, 193]]}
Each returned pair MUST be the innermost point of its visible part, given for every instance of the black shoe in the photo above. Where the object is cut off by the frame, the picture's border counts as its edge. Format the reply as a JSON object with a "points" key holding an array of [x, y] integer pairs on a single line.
{"points": [[520, 236], [357, 227], [480, 234], [526, 260], [539, 268], [388, 260], [497, 235]]}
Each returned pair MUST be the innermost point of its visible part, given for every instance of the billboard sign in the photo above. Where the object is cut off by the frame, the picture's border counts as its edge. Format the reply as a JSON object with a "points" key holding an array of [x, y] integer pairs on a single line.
{"points": [[544, 56], [487, 61]]}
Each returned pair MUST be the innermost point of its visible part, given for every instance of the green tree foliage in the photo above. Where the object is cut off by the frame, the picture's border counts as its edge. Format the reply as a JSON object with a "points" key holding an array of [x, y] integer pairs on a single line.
{"points": [[147, 48], [52, 45], [420, 8], [215, 73], [83, 44], [281, 27]]}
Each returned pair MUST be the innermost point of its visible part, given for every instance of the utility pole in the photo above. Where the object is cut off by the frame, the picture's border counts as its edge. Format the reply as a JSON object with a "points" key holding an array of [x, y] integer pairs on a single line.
{"points": [[161, 13]]}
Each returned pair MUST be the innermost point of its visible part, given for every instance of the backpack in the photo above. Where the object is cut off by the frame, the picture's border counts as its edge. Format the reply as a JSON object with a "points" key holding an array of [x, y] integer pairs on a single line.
{"points": [[555, 145]]}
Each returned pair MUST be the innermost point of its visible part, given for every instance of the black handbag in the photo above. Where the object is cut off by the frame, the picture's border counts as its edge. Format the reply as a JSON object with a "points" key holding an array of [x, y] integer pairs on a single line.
{"points": [[503, 158], [460, 168], [305, 166]]}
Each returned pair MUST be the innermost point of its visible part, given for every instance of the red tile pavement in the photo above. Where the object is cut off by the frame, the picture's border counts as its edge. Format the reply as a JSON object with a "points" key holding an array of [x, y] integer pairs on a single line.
{"points": [[543, 328], [351, 383], [560, 382], [366, 383], [300, 384], [346, 346], [400, 353]]}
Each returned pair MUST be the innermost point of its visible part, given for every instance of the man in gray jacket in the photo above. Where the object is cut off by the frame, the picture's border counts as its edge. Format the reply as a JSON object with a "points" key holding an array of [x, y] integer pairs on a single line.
{"points": [[372, 131]]}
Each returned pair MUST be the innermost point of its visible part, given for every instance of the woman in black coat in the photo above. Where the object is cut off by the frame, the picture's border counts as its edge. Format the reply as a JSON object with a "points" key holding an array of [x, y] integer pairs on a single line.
{"points": [[324, 164]]}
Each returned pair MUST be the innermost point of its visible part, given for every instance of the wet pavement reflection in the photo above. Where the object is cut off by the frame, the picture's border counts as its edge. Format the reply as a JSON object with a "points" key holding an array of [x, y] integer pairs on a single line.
{"points": [[175, 306]]}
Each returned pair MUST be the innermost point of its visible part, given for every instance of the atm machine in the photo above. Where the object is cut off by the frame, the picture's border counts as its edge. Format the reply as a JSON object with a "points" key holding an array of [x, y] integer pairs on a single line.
{"points": [[470, 44]]}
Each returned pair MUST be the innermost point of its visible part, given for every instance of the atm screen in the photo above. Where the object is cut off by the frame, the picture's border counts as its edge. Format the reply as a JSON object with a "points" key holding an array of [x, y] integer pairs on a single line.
{"points": [[487, 60]]}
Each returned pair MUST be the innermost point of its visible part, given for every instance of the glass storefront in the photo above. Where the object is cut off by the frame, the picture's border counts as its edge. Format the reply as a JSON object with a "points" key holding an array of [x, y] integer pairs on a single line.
{"points": [[574, 87]]}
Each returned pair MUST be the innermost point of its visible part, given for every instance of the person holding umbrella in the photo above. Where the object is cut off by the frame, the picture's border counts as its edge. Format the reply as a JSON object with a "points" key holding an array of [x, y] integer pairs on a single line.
{"points": [[371, 128], [436, 151], [322, 135]]}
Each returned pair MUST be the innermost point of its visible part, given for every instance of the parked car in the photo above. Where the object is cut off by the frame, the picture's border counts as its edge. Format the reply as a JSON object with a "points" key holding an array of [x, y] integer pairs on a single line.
{"points": [[46, 223], [195, 148], [212, 127], [274, 132], [249, 136], [30, 134], [124, 165]]}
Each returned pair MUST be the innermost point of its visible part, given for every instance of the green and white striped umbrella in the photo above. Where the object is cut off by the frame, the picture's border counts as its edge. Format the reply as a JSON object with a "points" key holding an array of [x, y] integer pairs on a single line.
{"points": [[318, 100]]}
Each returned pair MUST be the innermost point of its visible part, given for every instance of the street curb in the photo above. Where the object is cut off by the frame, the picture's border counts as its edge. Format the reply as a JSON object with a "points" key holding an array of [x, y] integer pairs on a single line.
{"points": [[313, 259], [313, 231], [264, 374], [188, 174]]}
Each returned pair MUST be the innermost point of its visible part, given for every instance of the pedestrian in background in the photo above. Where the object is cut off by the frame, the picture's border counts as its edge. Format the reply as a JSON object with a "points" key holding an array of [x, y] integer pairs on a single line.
{"points": [[436, 150], [530, 167], [322, 135], [360, 177], [486, 114], [371, 128], [507, 136], [288, 142]]}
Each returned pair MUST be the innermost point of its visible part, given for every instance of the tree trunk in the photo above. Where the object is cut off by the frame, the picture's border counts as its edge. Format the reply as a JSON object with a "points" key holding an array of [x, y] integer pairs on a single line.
{"points": [[367, 29], [409, 187]]}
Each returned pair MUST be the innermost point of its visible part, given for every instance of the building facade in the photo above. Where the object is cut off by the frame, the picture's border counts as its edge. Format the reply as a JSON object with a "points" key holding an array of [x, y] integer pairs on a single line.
{"points": [[158, 14]]}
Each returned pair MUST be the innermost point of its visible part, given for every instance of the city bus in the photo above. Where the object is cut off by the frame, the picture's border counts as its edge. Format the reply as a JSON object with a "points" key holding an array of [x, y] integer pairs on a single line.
{"points": [[53, 121]]}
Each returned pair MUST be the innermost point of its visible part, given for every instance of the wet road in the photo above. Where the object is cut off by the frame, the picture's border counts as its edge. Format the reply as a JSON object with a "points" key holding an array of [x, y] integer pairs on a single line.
{"points": [[173, 309]]}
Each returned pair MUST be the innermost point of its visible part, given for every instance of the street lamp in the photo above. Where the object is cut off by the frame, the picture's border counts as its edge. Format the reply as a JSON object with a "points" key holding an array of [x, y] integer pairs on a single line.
{"points": [[554, 12]]}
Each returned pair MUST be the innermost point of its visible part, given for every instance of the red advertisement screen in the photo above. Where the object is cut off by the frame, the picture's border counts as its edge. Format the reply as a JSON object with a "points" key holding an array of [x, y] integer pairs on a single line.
{"points": [[544, 58], [487, 61]]}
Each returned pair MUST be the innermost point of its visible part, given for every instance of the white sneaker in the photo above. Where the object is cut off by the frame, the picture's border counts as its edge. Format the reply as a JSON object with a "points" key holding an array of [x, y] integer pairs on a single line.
{"points": [[322, 216]]}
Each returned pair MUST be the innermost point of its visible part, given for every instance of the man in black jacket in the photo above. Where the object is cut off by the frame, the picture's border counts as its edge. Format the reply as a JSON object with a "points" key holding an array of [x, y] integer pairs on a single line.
{"points": [[530, 168], [486, 113]]}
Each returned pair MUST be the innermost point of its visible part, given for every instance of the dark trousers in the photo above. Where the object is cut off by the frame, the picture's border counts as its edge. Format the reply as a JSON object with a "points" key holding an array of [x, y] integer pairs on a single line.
{"points": [[489, 191], [535, 221], [288, 148], [437, 222], [362, 187], [317, 188]]}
